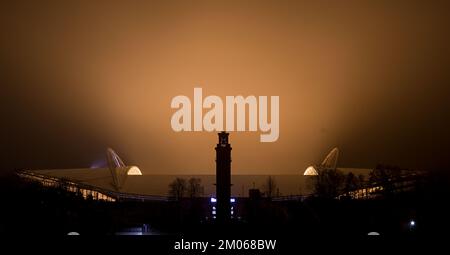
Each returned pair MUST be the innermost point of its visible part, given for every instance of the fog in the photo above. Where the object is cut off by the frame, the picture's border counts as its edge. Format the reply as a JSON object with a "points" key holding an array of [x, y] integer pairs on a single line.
{"points": [[77, 77]]}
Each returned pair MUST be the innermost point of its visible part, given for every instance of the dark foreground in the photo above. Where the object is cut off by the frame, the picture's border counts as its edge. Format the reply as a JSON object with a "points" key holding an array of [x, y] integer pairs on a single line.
{"points": [[30, 212]]}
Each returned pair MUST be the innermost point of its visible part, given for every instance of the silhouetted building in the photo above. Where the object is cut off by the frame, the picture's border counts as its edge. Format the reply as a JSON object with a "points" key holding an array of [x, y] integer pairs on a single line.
{"points": [[254, 193], [223, 178]]}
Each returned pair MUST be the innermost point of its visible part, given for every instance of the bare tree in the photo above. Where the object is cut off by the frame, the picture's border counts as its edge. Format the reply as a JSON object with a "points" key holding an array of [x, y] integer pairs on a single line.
{"points": [[270, 186], [361, 179], [195, 188], [328, 183], [351, 183], [385, 176], [177, 188]]}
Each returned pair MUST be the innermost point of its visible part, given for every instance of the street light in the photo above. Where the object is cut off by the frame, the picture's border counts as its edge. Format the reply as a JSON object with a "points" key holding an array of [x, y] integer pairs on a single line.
{"points": [[412, 225]]}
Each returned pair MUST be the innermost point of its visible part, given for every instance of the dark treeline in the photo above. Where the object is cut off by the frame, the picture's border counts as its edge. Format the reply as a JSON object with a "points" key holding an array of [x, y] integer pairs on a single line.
{"points": [[30, 208]]}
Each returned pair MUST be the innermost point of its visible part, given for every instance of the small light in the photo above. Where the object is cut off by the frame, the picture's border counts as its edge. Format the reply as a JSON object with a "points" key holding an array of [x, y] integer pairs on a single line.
{"points": [[232, 200], [412, 223], [213, 200]]}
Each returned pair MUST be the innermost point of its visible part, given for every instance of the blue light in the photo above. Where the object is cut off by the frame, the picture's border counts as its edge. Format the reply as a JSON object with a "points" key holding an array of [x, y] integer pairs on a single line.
{"points": [[214, 200]]}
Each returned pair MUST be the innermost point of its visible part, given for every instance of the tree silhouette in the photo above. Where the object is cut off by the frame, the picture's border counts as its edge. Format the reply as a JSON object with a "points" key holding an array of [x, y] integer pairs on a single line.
{"points": [[177, 188], [328, 183], [270, 187], [351, 183], [385, 176], [361, 179], [195, 188]]}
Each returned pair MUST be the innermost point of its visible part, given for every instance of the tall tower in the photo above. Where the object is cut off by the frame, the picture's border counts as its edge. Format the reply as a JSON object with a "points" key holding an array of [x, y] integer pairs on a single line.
{"points": [[223, 178]]}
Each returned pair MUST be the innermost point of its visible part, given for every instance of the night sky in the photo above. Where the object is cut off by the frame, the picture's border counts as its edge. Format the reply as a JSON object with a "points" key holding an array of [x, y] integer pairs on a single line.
{"points": [[77, 77]]}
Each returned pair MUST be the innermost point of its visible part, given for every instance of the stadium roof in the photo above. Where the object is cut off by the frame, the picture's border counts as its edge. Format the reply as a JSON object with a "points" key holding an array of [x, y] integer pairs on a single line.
{"points": [[331, 162]]}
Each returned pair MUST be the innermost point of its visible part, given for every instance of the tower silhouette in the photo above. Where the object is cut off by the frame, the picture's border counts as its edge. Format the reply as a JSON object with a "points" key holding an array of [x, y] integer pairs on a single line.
{"points": [[223, 178]]}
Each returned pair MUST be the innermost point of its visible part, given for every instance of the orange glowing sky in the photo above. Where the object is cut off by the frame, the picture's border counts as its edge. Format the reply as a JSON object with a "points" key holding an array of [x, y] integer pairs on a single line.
{"points": [[368, 78]]}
